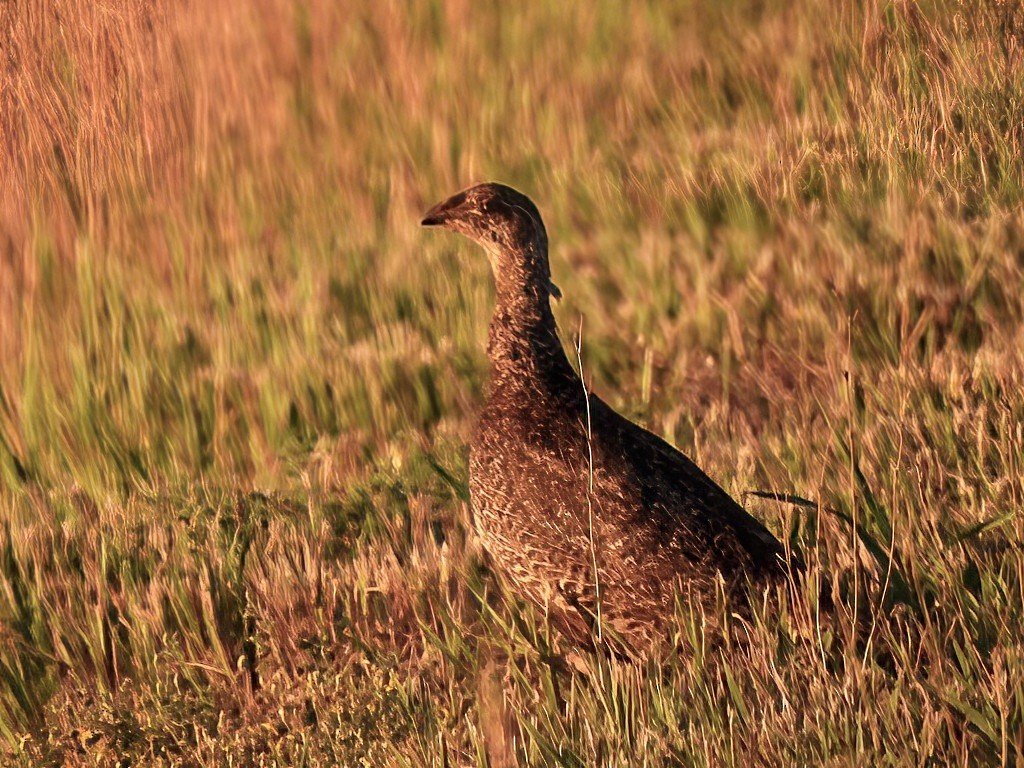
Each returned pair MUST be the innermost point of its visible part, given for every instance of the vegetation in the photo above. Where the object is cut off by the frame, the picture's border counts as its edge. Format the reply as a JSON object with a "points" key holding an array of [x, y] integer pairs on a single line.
{"points": [[237, 379]]}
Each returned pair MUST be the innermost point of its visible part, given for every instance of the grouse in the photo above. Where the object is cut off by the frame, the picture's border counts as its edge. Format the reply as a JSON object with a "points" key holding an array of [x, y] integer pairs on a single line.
{"points": [[588, 515]]}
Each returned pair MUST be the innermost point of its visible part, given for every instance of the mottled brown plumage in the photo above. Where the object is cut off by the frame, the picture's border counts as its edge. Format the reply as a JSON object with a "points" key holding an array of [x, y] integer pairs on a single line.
{"points": [[590, 516]]}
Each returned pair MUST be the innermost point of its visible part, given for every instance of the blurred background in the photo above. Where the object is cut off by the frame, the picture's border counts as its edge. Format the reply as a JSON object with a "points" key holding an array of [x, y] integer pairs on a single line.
{"points": [[237, 379]]}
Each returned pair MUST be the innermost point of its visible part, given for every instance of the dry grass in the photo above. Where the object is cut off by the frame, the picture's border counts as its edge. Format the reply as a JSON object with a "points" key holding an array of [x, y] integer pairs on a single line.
{"points": [[237, 380]]}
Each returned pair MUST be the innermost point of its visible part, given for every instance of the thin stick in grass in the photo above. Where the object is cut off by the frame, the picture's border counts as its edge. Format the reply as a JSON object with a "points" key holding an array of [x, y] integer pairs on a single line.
{"points": [[590, 481]]}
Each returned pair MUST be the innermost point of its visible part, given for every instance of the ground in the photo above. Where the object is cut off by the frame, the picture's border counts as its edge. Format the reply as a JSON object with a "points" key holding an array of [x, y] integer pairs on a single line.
{"points": [[238, 380]]}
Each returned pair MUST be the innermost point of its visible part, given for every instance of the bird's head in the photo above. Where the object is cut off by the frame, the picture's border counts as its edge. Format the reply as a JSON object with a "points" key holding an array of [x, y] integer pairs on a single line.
{"points": [[508, 226]]}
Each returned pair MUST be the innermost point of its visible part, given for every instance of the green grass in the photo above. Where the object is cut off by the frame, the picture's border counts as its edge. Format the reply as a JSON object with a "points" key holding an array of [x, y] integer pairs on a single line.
{"points": [[238, 380]]}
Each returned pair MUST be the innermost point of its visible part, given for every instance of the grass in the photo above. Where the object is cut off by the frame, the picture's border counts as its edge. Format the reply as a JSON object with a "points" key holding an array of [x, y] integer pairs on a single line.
{"points": [[237, 379]]}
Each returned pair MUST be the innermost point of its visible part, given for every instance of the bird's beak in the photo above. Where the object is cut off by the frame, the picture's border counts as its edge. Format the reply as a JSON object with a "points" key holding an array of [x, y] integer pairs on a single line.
{"points": [[554, 290], [444, 211]]}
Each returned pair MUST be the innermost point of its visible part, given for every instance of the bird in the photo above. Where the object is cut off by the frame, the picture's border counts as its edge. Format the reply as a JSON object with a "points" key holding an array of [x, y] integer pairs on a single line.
{"points": [[599, 522]]}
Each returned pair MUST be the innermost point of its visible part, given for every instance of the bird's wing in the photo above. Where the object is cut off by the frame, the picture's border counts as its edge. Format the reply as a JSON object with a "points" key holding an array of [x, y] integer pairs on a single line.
{"points": [[693, 511]]}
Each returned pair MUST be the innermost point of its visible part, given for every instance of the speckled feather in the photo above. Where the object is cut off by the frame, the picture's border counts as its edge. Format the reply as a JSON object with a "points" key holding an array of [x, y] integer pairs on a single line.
{"points": [[592, 517]]}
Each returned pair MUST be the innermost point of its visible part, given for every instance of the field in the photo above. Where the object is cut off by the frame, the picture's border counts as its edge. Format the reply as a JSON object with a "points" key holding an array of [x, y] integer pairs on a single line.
{"points": [[237, 379]]}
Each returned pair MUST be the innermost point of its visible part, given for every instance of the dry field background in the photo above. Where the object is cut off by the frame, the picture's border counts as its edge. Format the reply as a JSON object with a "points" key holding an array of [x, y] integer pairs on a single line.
{"points": [[237, 380]]}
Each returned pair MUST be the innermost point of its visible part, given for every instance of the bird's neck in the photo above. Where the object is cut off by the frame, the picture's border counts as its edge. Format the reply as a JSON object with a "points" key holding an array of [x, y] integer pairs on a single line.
{"points": [[523, 341], [523, 344]]}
